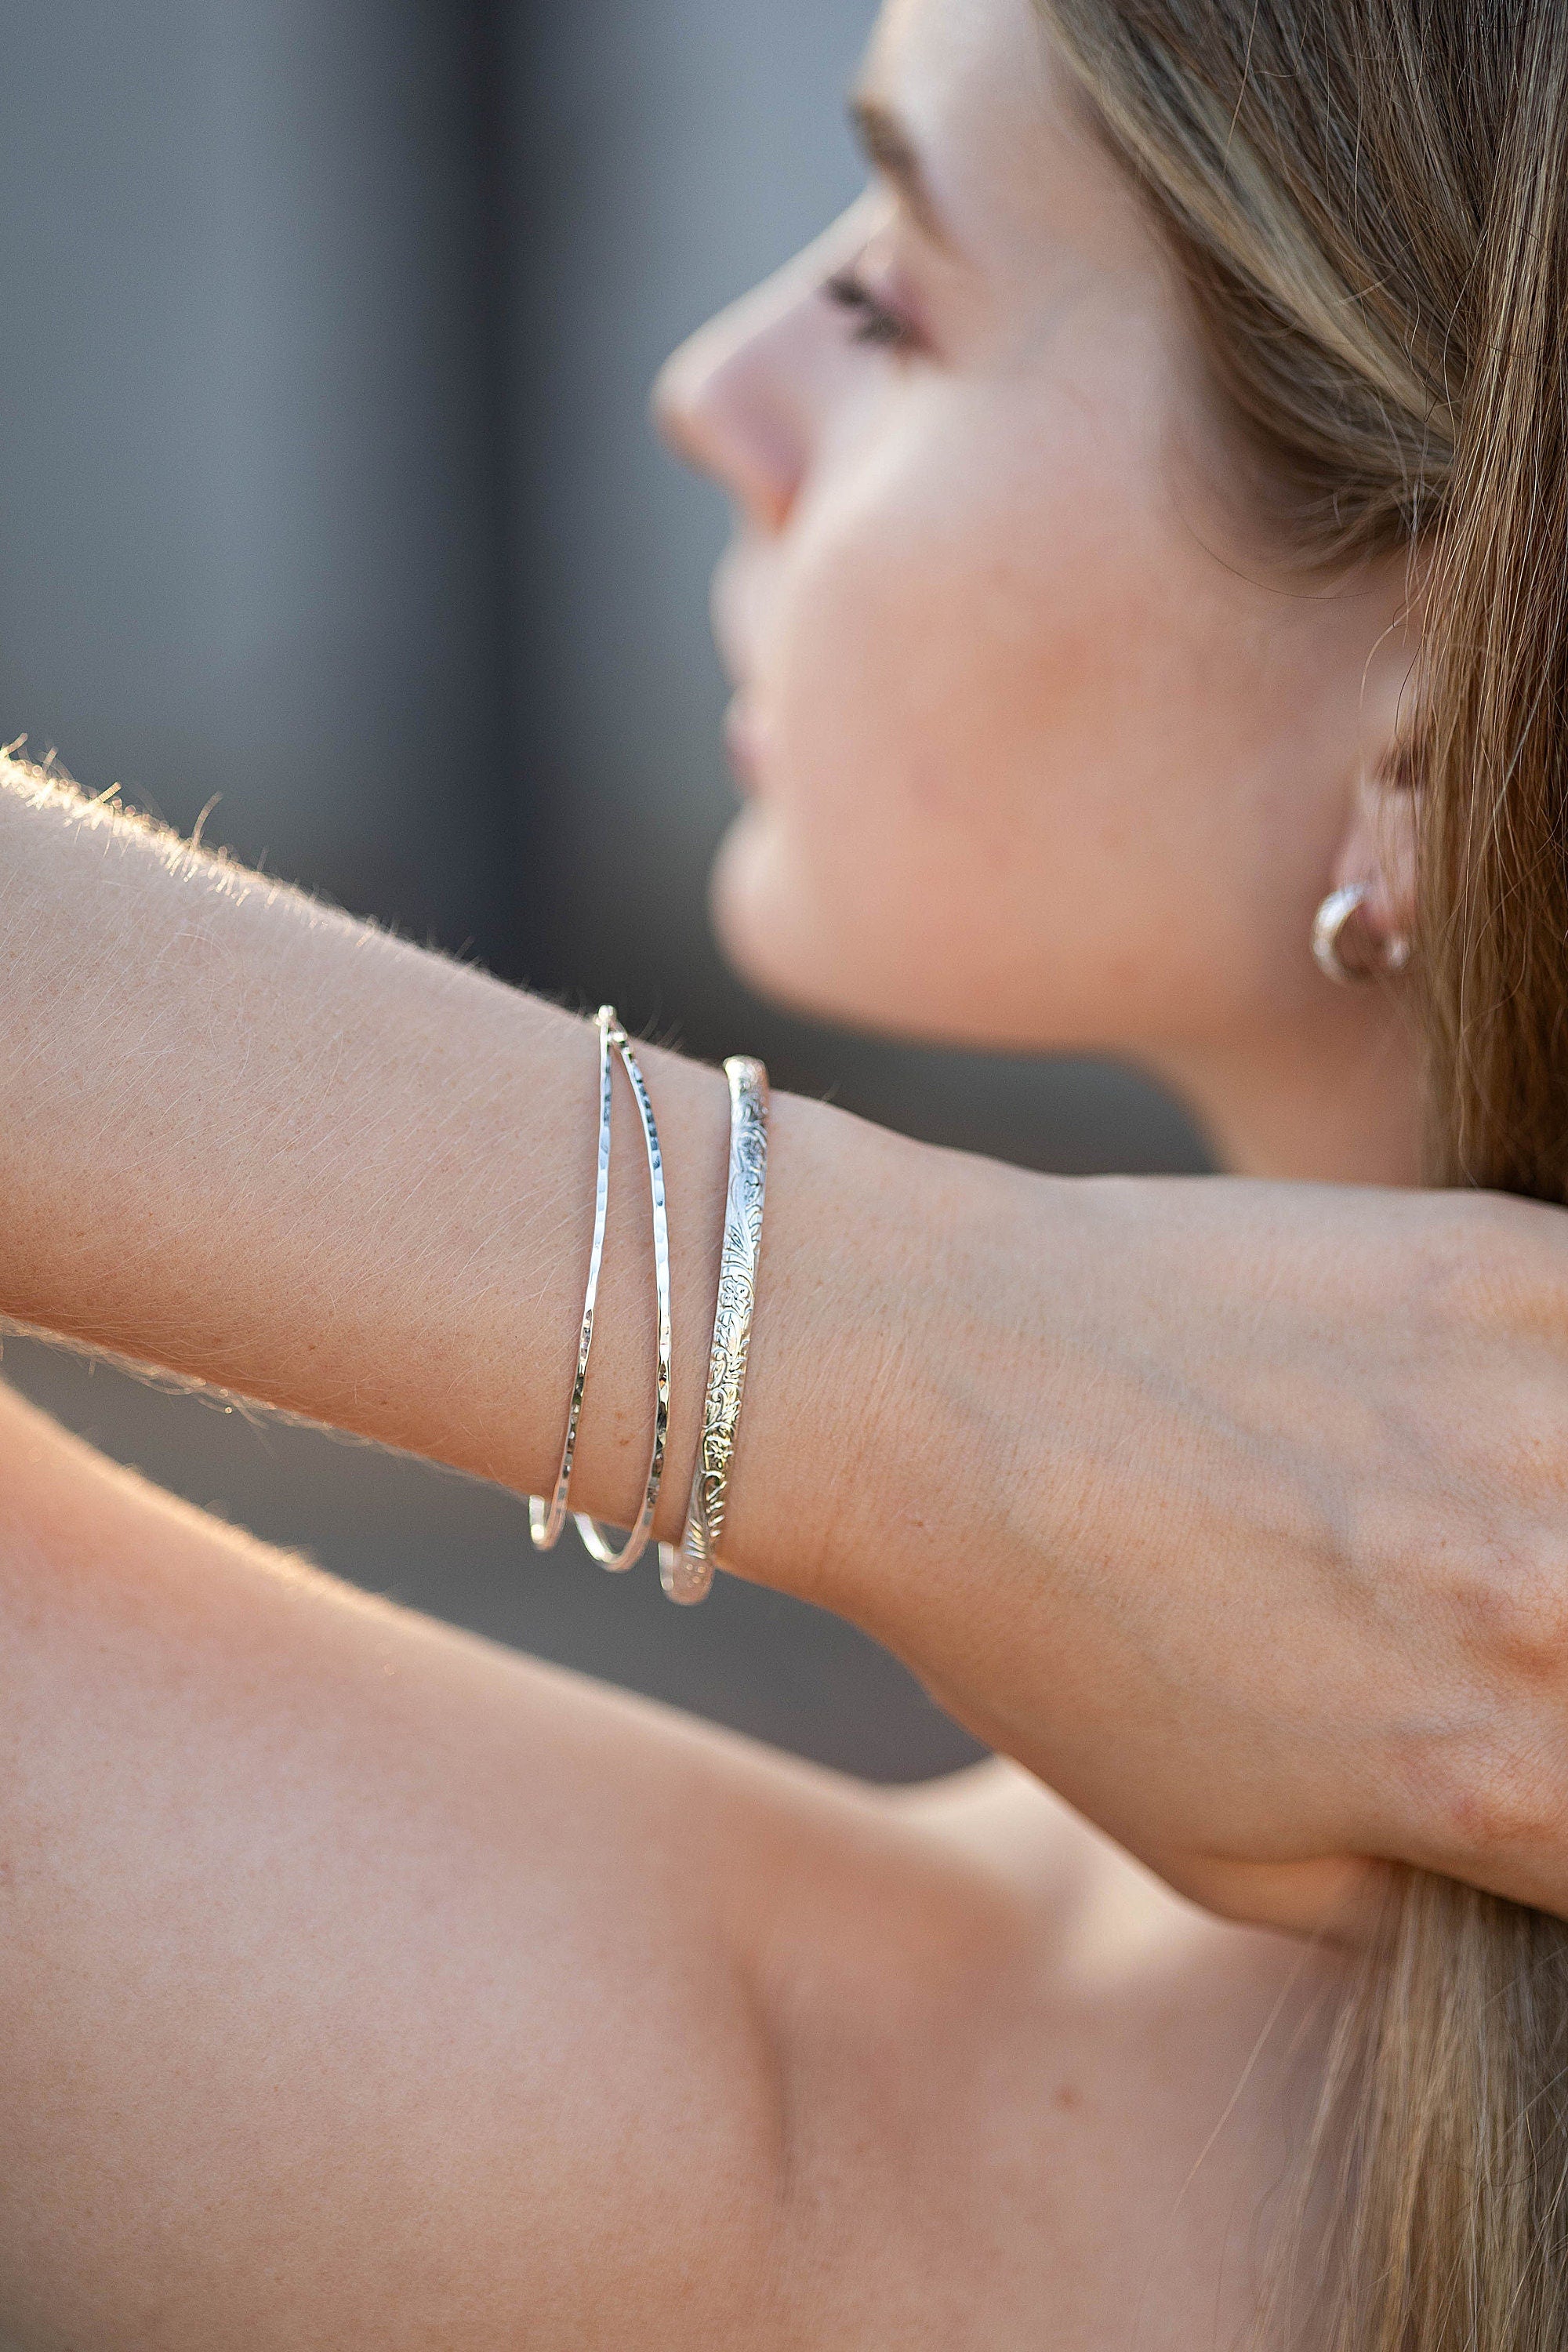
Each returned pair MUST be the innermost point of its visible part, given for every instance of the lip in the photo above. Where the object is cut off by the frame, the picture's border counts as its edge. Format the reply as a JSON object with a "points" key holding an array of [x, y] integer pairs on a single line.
{"points": [[744, 742]]}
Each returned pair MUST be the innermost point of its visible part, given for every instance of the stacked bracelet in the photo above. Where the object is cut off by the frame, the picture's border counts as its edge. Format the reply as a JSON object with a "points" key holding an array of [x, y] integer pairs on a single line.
{"points": [[687, 1568]]}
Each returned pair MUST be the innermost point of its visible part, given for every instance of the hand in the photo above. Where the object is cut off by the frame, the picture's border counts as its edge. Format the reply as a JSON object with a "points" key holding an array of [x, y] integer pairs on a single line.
{"points": [[1239, 1512]]}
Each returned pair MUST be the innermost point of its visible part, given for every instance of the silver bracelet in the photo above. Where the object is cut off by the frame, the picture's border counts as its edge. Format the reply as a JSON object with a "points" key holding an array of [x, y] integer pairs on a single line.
{"points": [[597, 1544], [546, 1521], [688, 1572]]}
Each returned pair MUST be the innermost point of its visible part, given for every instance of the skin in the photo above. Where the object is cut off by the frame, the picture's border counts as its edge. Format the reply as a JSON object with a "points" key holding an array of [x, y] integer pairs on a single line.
{"points": [[384, 1989], [451, 2001], [1043, 750]]}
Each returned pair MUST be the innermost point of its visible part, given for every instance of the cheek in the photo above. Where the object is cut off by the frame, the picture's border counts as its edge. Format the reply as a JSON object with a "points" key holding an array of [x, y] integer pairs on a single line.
{"points": [[1024, 764]]}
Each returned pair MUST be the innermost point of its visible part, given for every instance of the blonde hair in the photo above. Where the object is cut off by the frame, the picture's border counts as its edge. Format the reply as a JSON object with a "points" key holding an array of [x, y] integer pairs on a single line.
{"points": [[1370, 201]]}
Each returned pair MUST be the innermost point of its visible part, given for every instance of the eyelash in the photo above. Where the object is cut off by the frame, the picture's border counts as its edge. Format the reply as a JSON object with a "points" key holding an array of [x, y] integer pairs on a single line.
{"points": [[874, 322]]}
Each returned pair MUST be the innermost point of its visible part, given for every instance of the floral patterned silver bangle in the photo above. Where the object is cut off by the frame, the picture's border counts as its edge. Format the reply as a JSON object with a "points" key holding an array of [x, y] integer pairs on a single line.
{"points": [[688, 1572]]}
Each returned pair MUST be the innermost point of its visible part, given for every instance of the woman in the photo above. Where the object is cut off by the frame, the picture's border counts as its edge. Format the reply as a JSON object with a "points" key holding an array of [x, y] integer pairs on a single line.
{"points": [[1151, 498]]}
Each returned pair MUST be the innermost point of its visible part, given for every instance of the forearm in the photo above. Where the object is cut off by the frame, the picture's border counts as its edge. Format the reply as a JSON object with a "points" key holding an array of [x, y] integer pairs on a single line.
{"points": [[254, 1142], [1188, 1496], [251, 1142]]}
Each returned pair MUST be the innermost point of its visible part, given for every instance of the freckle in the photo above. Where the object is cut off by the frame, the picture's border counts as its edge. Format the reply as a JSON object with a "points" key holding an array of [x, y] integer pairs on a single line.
{"points": [[1068, 2098]]}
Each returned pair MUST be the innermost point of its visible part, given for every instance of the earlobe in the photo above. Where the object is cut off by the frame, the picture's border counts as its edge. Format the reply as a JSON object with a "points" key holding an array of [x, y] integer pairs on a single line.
{"points": [[1365, 926], [1347, 946]]}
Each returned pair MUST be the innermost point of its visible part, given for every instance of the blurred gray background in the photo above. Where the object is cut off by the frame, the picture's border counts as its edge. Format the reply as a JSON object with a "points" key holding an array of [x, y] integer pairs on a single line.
{"points": [[328, 505]]}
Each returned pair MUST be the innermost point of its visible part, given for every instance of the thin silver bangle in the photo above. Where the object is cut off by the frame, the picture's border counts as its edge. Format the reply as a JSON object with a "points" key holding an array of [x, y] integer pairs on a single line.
{"points": [[595, 1542], [546, 1521], [688, 1572]]}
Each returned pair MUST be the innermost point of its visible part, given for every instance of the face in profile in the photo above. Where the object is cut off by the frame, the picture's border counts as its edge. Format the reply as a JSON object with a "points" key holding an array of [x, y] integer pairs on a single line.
{"points": [[1040, 744]]}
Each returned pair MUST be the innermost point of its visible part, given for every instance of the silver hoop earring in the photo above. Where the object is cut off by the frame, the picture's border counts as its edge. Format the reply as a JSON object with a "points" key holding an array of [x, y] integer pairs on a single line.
{"points": [[1333, 928]]}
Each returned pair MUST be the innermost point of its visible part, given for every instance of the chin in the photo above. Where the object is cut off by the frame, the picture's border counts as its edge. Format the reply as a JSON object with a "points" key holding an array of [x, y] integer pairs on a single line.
{"points": [[773, 935], [759, 941], [813, 951]]}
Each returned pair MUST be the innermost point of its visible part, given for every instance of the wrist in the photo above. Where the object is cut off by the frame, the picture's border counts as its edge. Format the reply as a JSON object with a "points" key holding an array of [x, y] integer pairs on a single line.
{"points": [[878, 1437]]}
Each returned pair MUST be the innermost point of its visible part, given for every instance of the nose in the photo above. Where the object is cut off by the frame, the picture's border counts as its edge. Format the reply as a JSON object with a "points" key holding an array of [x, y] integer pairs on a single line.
{"points": [[745, 399], [731, 402]]}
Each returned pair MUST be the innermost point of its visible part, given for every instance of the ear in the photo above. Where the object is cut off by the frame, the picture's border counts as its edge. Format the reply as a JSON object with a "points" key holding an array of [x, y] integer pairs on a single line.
{"points": [[1378, 848]]}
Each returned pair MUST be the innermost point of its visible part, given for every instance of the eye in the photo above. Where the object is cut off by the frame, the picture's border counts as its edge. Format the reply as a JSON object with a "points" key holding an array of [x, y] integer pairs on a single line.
{"points": [[873, 320]]}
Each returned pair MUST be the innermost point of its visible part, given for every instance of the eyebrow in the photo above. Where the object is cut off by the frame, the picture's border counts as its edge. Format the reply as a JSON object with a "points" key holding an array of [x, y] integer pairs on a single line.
{"points": [[890, 151]]}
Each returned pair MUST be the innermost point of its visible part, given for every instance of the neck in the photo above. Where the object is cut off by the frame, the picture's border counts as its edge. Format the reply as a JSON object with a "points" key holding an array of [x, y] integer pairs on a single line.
{"points": [[1333, 1100]]}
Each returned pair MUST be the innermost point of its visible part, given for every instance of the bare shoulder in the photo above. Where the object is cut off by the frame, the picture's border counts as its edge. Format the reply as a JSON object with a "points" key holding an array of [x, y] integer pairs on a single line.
{"points": [[409, 1992], [383, 1988]]}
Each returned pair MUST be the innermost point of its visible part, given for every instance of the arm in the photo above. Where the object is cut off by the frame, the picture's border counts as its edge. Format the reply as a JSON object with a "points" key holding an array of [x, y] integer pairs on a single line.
{"points": [[367, 1985], [1233, 1510]]}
